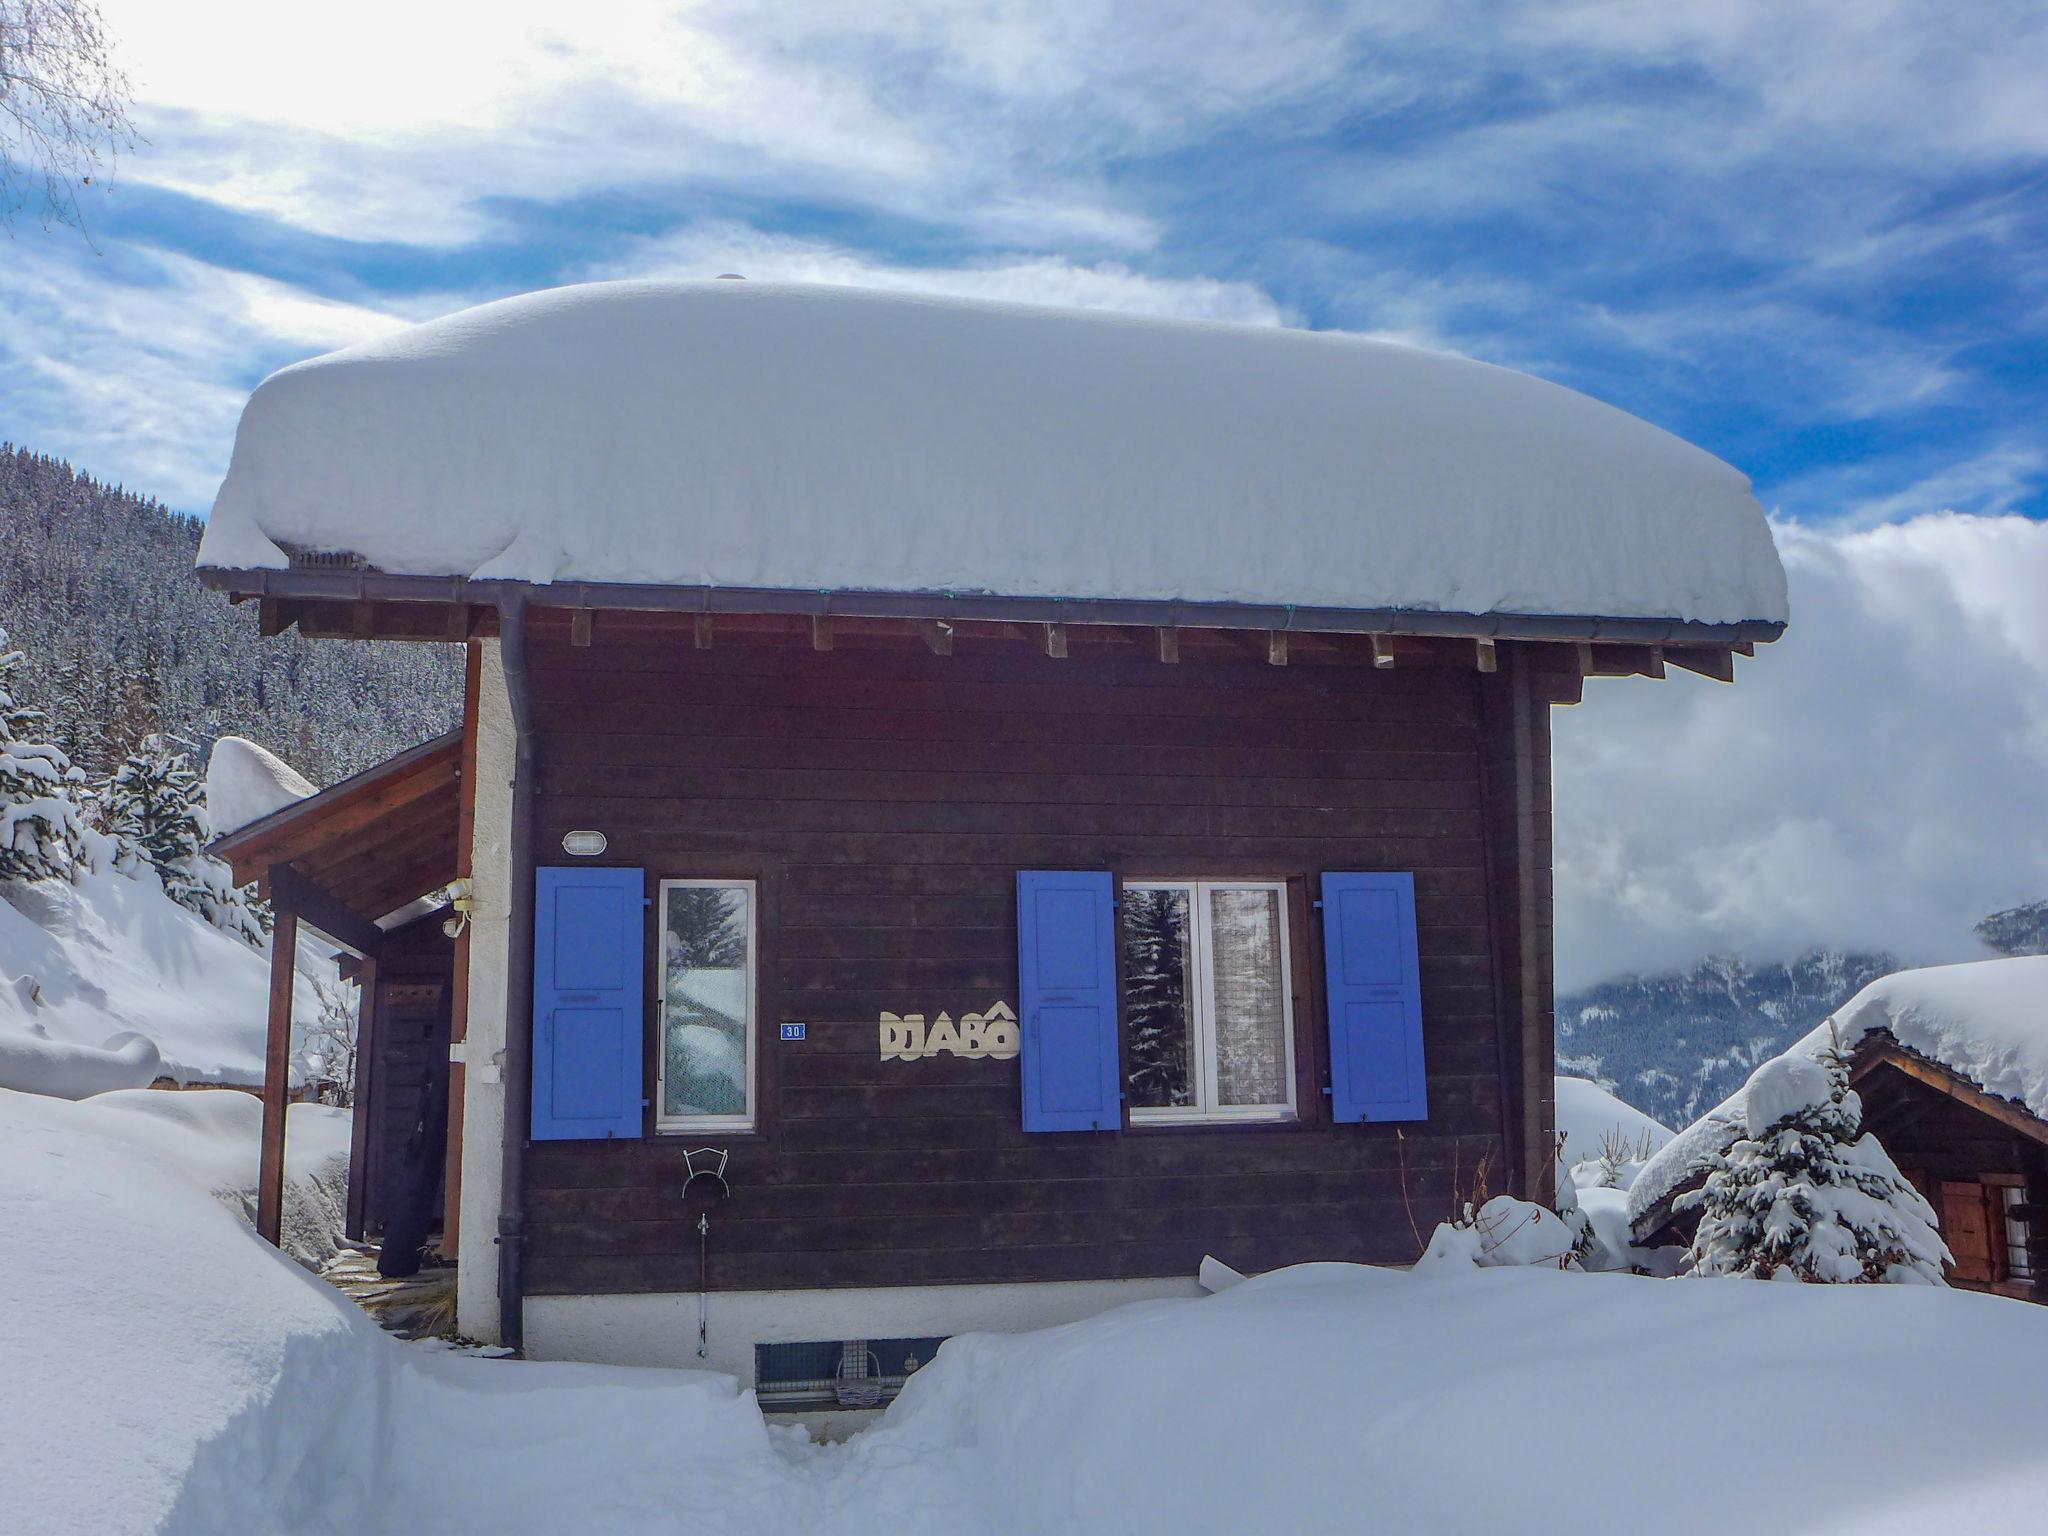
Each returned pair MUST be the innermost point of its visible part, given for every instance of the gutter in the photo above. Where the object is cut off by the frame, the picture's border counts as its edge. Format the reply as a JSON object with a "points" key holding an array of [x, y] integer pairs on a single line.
{"points": [[518, 981], [340, 584]]}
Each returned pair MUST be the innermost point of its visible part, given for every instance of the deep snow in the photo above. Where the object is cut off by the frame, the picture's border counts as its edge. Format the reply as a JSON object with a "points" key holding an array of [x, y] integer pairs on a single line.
{"points": [[85, 966], [186, 1379], [768, 435], [245, 782]]}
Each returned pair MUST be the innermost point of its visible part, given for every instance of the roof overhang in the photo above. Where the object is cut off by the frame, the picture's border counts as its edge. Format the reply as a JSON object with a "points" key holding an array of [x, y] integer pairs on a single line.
{"points": [[359, 850], [460, 605]]}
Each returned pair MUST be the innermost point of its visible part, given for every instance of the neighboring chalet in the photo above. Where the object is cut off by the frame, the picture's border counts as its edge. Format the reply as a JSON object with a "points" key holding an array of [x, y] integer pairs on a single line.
{"points": [[963, 810], [1951, 1064]]}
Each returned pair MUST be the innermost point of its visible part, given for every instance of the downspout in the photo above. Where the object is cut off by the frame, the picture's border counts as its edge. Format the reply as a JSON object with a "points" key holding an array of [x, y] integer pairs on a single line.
{"points": [[518, 980]]}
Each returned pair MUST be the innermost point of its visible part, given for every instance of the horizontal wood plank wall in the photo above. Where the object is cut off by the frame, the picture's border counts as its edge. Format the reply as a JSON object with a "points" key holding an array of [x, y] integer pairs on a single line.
{"points": [[884, 798]]}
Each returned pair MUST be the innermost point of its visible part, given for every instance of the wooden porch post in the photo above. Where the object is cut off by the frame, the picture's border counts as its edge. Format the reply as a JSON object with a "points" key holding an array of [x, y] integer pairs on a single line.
{"points": [[364, 1086], [284, 944]]}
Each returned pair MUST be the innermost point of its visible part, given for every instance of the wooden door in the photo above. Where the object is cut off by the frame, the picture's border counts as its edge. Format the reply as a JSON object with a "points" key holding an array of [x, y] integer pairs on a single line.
{"points": [[1966, 1223]]}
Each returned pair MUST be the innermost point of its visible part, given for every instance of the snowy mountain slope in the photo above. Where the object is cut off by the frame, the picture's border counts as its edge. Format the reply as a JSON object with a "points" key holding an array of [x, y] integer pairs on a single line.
{"points": [[97, 590], [81, 964], [210, 1385], [2021, 930]]}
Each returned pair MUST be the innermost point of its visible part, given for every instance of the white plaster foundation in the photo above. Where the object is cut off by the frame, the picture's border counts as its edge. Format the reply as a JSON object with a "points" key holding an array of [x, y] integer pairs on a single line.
{"points": [[661, 1329]]}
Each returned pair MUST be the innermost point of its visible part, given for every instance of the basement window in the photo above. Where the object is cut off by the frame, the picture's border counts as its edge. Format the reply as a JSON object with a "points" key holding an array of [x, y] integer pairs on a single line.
{"points": [[1208, 1001], [838, 1373]]}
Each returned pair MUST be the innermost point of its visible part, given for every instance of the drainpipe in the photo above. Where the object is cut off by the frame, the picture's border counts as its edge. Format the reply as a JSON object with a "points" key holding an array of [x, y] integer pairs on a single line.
{"points": [[518, 981]]}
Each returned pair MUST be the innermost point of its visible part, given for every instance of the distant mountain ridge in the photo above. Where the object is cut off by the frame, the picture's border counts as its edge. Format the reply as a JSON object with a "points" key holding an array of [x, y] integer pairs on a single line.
{"points": [[1677, 1044], [97, 592], [2017, 930]]}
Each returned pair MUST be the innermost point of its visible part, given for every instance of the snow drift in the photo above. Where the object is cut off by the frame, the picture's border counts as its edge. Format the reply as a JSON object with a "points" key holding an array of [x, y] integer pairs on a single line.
{"points": [[86, 966], [208, 1384], [761, 435]]}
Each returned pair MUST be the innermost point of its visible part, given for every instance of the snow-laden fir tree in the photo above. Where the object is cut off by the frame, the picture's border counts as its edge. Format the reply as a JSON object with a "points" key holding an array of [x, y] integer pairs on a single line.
{"points": [[41, 832], [1806, 1194], [155, 808]]}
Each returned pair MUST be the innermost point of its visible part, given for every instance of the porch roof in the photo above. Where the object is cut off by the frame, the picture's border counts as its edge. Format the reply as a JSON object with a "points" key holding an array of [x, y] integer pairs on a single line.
{"points": [[362, 849]]}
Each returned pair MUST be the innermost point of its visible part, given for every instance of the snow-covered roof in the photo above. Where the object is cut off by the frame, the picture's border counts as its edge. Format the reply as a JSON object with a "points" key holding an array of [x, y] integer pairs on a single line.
{"points": [[246, 782], [1587, 1114], [1986, 1021], [795, 438]]}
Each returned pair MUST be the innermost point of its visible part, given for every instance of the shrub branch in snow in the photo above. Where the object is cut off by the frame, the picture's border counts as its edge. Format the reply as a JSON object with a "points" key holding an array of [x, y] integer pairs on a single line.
{"points": [[1806, 1195], [42, 836]]}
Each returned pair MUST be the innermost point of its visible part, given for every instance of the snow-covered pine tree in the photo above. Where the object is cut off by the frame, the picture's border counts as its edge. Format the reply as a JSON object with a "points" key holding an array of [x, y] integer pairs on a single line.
{"points": [[150, 805], [1806, 1195], [42, 835], [155, 808]]}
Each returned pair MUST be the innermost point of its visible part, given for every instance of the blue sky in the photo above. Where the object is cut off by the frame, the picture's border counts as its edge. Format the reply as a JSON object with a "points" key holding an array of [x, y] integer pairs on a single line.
{"points": [[1809, 238]]}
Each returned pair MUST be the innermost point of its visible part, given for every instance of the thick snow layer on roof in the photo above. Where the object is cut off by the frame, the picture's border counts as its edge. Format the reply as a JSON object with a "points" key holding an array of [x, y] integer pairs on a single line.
{"points": [[246, 782], [1588, 1115], [756, 435], [1986, 1020]]}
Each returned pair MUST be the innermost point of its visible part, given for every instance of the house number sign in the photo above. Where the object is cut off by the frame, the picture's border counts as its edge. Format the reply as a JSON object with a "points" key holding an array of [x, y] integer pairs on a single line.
{"points": [[991, 1033]]}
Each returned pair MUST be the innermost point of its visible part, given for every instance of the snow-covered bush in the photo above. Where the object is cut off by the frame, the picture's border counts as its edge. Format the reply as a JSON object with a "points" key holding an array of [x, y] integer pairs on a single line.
{"points": [[1804, 1195], [326, 1057], [1503, 1232], [155, 806], [41, 830]]}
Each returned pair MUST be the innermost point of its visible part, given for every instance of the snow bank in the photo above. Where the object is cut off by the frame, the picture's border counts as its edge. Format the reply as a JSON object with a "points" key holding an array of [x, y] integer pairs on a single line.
{"points": [[1987, 1020], [84, 964], [836, 439], [245, 782], [1335, 1398], [34, 1063], [185, 1379]]}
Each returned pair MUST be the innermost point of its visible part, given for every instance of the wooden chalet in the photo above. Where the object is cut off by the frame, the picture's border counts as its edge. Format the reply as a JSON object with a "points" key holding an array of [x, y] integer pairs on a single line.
{"points": [[850, 964], [1980, 1159]]}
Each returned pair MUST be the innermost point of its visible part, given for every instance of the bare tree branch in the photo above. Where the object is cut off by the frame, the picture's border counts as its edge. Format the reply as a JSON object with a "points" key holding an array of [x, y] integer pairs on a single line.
{"points": [[63, 108]]}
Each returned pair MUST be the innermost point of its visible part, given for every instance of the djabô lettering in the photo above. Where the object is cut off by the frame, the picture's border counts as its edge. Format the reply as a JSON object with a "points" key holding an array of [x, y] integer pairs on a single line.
{"points": [[992, 1033]]}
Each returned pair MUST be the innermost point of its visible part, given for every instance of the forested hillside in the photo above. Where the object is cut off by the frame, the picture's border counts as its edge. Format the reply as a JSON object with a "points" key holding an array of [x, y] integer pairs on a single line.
{"points": [[119, 640]]}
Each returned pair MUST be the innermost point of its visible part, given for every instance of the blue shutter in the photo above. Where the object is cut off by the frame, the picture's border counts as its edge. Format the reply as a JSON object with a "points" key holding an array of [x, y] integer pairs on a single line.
{"points": [[1066, 963], [1375, 998], [589, 1027]]}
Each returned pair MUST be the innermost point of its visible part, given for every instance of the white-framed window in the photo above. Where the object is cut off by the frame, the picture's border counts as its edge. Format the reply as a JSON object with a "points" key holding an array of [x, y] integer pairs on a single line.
{"points": [[706, 1014], [1208, 1000], [2019, 1234]]}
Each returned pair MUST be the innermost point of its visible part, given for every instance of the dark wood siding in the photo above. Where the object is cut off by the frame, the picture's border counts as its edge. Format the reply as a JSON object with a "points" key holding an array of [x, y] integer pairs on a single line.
{"points": [[884, 798]]}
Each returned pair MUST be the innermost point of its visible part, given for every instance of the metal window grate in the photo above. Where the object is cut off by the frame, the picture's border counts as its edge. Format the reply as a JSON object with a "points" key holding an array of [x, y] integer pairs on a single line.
{"points": [[837, 1372]]}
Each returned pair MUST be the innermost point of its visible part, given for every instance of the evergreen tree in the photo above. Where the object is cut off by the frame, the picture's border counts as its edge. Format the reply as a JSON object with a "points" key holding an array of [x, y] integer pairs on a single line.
{"points": [[154, 807], [150, 804], [1805, 1195], [42, 836]]}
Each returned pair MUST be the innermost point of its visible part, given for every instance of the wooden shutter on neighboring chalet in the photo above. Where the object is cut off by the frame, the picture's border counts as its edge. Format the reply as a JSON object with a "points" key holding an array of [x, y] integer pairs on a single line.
{"points": [[589, 1025], [1066, 963], [1375, 998]]}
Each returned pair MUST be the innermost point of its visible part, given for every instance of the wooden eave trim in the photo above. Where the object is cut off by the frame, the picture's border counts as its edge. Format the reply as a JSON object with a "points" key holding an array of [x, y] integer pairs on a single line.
{"points": [[335, 585], [1933, 1075]]}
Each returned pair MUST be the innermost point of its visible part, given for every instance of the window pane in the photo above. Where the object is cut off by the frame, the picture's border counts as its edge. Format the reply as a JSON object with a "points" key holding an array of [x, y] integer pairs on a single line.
{"points": [[705, 1002], [1156, 997], [2019, 1236], [1251, 1004]]}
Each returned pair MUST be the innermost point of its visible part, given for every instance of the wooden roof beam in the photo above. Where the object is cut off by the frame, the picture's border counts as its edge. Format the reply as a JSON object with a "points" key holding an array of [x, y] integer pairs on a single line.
{"points": [[1715, 661], [319, 908]]}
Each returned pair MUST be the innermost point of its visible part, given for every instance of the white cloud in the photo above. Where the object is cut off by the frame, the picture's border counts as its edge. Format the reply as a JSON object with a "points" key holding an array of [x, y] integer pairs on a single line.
{"points": [[142, 379], [1876, 778]]}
